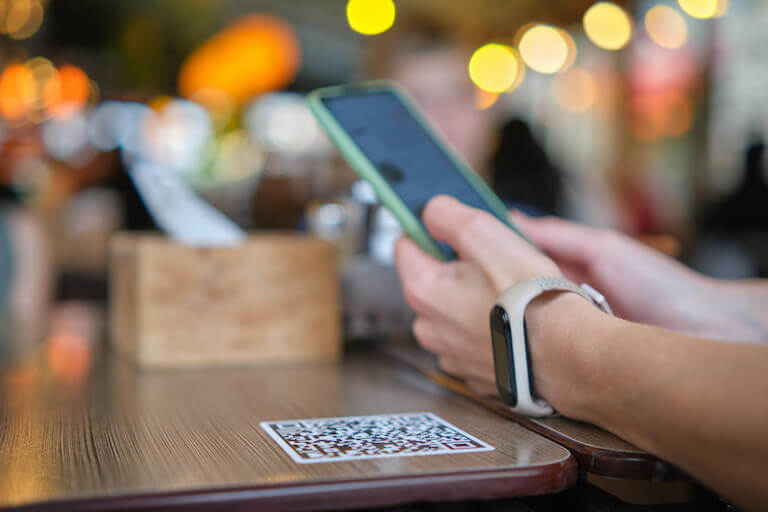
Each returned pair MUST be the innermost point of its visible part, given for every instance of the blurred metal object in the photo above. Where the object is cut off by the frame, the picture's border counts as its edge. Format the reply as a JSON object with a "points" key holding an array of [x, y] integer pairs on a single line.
{"points": [[340, 221], [385, 231]]}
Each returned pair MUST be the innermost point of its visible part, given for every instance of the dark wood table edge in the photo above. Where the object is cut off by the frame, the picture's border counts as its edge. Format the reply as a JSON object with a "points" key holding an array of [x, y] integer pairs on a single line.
{"points": [[591, 459], [330, 495]]}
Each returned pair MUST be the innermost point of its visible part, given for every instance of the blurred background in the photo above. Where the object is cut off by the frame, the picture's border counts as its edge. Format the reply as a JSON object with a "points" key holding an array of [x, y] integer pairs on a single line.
{"points": [[648, 116]]}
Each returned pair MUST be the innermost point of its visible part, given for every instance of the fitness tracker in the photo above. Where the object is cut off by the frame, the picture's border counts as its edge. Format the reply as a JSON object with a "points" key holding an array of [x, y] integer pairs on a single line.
{"points": [[510, 351]]}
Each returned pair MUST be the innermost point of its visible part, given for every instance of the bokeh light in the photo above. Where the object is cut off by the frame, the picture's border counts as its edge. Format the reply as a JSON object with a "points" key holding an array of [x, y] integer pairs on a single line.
{"points": [[608, 26], [65, 138], [238, 156], [284, 124], [666, 27], [253, 55], [18, 91], [653, 116], [370, 17], [546, 49], [45, 73], [485, 99], [176, 135], [73, 89], [114, 124], [494, 67], [69, 357], [217, 104], [22, 18], [36, 90], [574, 90], [679, 119], [704, 8]]}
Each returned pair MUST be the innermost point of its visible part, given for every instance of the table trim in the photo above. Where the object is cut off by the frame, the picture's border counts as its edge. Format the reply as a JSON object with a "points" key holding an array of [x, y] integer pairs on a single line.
{"points": [[453, 486]]}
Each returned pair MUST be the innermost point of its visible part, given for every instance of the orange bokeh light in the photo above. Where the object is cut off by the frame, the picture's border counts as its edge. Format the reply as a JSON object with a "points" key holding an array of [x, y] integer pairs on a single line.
{"points": [[653, 116], [68, 92], [18, 90], [69, 357], [253, 55]]}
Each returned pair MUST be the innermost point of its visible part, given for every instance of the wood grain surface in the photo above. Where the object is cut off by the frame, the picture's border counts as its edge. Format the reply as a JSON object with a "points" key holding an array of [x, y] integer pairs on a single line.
{"points": [[113, 437], [596, 450], [174, 306]]}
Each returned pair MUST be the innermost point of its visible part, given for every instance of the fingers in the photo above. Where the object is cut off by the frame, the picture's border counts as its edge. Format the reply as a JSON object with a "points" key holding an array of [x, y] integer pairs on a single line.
{"points": [[418, 273], [476, 236], [428, 336], [458, 353], [455, 290], [564, 241]]}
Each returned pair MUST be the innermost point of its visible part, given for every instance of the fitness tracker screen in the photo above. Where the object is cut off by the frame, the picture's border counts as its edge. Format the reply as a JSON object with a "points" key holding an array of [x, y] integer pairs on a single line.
{"points": [[503, 361]]}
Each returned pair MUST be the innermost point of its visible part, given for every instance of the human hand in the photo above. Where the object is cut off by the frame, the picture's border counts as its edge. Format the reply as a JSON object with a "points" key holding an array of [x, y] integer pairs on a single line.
{"points": [[452, 300], [640, 283]]}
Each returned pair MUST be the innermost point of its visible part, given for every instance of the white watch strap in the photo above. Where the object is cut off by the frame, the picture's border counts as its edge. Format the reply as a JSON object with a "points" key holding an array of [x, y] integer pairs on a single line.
{"points": [[515, 300], [586, 291]]}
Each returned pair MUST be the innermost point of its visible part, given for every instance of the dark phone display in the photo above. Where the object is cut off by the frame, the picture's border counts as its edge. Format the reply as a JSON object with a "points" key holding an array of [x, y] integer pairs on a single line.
{"points": [[409, 160]]}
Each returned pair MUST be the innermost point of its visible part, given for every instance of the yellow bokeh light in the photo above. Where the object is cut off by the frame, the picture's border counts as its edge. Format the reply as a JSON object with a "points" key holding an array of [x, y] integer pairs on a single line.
{"points": [[494, 67], [370, 17], [572, 51], [608, 26], [545, 49], [574, 90], [704, 8], [17, 13], [32, 21], [666, 27]]}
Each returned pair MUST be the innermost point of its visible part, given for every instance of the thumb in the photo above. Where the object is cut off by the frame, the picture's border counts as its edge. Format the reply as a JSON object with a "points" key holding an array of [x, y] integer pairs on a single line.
{"points": [[482, 239]]}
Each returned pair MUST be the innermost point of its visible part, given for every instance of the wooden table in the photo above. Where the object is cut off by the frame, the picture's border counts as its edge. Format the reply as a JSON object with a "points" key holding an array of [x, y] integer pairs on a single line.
{"points": [[83, 430], [597, 452]]}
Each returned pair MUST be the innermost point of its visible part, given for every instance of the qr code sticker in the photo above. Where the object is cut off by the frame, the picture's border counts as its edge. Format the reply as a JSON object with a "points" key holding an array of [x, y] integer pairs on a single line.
{"points": [[370, 437]]}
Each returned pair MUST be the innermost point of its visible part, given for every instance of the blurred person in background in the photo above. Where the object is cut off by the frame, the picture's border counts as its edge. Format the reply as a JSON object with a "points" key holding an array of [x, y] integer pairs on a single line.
{"points": [[734, 231], [430, 61]]}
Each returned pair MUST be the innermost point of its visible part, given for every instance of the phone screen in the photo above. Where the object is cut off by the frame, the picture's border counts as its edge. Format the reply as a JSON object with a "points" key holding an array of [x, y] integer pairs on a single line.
{"points": [[402, 150]]}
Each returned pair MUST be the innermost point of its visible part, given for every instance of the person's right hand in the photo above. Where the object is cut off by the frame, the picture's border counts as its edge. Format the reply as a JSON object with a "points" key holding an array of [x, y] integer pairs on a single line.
{"points": [[640, 283]]}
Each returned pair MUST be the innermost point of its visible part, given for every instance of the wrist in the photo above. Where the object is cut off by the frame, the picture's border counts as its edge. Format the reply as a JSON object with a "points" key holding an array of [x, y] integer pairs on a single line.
{"points": [[563, 333]]}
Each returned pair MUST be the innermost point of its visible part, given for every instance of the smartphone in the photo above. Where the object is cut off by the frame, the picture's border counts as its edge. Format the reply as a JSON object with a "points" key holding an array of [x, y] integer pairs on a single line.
{"points": [[385, 138]]}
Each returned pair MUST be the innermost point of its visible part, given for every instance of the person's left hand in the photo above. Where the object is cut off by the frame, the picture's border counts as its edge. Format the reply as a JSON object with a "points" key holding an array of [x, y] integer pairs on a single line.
{"points": [[453, 300]]}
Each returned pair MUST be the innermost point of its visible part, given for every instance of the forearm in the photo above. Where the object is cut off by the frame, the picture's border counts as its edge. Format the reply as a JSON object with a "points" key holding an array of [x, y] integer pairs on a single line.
{"points": [[696, 403], [702, 307], [744, 304]]}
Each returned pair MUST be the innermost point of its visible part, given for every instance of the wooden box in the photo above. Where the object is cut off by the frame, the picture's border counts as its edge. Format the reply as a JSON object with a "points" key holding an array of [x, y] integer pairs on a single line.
{"points": [[272, 299]]}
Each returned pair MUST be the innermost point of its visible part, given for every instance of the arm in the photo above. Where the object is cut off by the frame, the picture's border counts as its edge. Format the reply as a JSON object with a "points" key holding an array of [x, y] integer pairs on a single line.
{"points": [[696, 403]]}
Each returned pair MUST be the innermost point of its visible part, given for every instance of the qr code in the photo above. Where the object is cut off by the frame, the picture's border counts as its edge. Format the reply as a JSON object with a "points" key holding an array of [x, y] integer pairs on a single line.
{"points": [[370, 437]]}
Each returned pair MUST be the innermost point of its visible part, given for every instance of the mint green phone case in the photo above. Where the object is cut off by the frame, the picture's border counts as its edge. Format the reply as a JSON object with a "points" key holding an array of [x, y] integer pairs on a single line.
{"points": [[367, 171]]}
